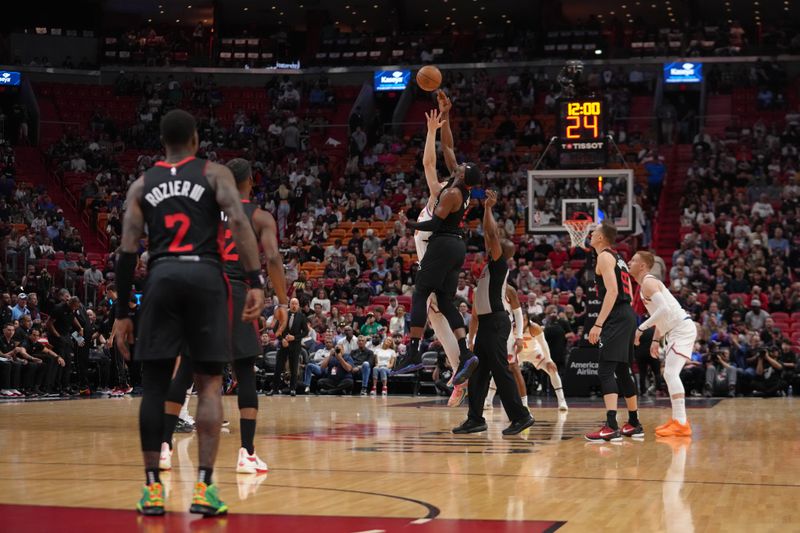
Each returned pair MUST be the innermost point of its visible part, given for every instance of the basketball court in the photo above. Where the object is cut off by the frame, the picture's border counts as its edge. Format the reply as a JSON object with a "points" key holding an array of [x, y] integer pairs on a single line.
{"points": [[374, 464]]}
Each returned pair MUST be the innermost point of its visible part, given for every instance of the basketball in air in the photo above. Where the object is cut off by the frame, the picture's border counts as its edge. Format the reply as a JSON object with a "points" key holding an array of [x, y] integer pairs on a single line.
{"points": [[429, 78]]}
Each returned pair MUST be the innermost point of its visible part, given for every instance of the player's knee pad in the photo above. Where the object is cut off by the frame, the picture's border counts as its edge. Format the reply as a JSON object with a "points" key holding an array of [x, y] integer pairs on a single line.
{"points": [[156, 376], [246, 383], [449, 310], [605, 372], [181, 382], [419, 307], [672, 374], [625, 381], [207, 368]]}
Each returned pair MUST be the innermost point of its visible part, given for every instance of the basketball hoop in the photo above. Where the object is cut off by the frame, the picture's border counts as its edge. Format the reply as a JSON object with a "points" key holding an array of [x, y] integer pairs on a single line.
{"points": [[578, 228]]}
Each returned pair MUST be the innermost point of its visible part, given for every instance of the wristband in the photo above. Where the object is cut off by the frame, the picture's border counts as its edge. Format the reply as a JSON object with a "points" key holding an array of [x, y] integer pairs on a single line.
{"points": [[598, 326], [255, 279]]}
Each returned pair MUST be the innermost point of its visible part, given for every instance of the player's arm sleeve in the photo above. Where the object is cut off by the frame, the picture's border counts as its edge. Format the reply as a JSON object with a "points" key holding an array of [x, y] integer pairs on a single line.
{"points": [[429, 225], [519, 330], [661, 310]]}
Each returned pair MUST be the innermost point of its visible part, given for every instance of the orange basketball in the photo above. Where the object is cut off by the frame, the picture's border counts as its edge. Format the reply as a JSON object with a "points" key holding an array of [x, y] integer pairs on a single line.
{"points": [[429, 78]]}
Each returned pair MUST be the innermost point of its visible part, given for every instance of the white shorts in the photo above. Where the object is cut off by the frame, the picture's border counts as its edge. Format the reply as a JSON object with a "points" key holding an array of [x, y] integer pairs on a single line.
{"points": [[680, 339], [534, 356]]}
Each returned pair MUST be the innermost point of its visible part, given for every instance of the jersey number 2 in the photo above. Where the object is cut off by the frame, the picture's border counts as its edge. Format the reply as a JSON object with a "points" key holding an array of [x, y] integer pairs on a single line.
{"points": [[229, 254], [182, 222]]}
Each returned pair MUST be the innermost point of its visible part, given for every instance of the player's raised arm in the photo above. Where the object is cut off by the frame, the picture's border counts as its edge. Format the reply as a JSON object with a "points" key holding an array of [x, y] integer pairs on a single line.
{"points": [[435, 121], [491, 235], [448, 145]]}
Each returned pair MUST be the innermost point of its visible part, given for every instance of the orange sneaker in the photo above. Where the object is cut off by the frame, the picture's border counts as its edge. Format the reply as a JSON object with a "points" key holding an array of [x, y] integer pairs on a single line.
{"points": [[676, 429], [665, 425]]}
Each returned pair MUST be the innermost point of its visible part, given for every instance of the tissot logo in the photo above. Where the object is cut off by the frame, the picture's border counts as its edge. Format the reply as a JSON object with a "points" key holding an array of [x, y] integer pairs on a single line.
{"points": [[582, 146]]}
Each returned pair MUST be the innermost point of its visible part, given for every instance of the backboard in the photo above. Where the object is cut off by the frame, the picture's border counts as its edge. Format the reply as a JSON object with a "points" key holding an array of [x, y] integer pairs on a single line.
{"points": [[556, 195]]}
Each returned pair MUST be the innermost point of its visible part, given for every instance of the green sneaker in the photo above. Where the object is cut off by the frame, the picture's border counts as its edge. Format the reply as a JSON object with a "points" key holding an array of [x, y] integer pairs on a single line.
{"points": [[152, 502], [206, 502]]}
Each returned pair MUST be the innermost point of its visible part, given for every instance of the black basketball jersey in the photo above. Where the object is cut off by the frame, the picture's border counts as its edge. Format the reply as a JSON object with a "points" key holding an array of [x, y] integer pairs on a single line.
{"points": [[454, 221], [181, 210], [624, 290], [233, 267]]}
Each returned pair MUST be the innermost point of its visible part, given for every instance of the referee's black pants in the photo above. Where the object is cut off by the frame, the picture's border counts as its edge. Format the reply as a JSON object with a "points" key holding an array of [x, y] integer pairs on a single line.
{"points": [[490, 347], [292, 354]]}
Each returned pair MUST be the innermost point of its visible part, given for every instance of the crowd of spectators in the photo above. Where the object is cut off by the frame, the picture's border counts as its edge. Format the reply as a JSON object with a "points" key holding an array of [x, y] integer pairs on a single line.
{"points": [[350, 264], [736, 269], [47, 330]]}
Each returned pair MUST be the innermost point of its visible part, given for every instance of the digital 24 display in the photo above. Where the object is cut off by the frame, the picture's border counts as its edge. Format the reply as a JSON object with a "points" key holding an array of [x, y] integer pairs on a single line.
{"points": [[581, 132]]}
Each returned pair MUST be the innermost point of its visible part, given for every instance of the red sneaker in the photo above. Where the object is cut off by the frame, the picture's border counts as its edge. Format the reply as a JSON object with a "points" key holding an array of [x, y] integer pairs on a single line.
{"points": [[634, 432], [606, 434]]}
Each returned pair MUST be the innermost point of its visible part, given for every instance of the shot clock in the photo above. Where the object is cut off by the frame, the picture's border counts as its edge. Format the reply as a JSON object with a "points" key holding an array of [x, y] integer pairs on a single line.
{"points": [[581, 130]]}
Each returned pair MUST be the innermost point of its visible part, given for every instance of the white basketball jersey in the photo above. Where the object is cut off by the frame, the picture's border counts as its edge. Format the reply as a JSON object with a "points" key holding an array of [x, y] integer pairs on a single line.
{"points": [[675, 313], [421, 237]]}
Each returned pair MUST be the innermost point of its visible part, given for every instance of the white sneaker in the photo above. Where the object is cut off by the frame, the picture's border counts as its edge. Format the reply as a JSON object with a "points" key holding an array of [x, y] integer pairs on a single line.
{"points": [[562, 405], [165, 459], [16, 393], [385, 391], [188, 419], [6, 393], [250, 464]]}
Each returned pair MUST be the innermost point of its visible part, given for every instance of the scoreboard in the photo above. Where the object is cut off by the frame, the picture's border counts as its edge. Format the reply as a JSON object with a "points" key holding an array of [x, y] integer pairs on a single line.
{"points": [[581, 131]]}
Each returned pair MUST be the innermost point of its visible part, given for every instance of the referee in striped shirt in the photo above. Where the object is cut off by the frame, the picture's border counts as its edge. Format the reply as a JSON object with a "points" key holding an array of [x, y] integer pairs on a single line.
{"points": [[493, 326]]}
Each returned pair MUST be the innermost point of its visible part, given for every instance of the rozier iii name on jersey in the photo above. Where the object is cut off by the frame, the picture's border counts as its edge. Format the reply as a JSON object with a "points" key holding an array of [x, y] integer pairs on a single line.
{"points": [[169, 189]]}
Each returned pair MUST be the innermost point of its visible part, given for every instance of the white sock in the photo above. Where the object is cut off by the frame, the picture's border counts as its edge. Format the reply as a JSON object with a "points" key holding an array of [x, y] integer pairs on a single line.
{"points": [[560, 395], [679, 410], [490, 396], [184, 414], [525, 401]]}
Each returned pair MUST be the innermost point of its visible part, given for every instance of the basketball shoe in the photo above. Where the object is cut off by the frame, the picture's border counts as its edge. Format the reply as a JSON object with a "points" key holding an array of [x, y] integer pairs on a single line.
{"points": [[152, 502], [468, 364], [458, 395], [205, 500], [250, 464], [606, 434], [664, 425], [634, 432], [675, 429]]}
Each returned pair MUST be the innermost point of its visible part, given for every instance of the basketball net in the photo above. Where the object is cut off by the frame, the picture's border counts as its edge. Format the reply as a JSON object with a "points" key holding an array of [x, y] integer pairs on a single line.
{"points": [[578, 229]]}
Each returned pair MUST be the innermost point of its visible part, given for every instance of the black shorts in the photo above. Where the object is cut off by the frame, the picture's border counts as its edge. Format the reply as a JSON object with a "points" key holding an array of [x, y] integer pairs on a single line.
{"points": [[185, 304], [617, 335], [244, 337], [442, 263]]}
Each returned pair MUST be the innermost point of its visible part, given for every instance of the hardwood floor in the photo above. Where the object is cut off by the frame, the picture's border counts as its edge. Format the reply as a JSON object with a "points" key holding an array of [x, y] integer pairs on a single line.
{"points": [[359, 464]]}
